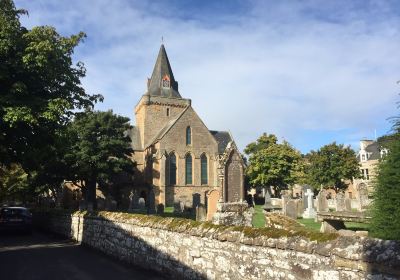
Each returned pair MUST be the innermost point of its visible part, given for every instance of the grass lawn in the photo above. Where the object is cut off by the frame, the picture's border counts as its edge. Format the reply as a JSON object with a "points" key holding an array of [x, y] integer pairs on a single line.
{"points": [[258, 217], [310, 224]]}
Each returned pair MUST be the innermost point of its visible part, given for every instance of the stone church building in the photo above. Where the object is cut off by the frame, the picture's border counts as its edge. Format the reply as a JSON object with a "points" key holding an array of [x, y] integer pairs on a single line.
{"points": [[178, 158]]}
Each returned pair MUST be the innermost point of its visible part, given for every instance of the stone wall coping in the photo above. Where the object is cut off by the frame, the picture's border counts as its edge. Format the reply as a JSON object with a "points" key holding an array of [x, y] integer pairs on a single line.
{"points": [[354, 248]]}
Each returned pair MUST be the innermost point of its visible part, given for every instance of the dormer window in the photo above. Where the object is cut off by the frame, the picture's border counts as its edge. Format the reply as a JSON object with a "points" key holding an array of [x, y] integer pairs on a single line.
{"points": [[166, 82]]}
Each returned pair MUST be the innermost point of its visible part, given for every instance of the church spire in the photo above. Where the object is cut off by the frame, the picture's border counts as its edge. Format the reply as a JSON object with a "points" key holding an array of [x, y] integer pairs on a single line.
{"points": [[162, 81]]}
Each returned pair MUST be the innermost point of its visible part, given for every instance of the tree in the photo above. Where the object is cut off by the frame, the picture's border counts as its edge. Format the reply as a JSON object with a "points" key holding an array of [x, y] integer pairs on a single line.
{"points": [[39, 85], [100, 149], [385, 211], [331, 166], [273, 164]]}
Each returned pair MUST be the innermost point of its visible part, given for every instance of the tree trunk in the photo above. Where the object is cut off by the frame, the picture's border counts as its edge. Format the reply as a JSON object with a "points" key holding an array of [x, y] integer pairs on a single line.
{"points": [[91, 192]]}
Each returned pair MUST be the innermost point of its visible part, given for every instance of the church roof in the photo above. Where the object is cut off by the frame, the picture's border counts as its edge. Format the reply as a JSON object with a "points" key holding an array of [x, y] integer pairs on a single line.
{"points": [[222, 138], [163, 71]]}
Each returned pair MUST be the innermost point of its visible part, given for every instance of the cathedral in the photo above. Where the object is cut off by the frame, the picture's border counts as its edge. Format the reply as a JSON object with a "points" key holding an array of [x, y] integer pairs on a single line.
{"points": [[177, 157]]}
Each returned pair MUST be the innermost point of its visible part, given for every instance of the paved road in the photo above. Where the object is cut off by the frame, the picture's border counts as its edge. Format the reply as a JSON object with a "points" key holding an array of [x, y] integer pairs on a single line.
{"points": [[40, 256]]}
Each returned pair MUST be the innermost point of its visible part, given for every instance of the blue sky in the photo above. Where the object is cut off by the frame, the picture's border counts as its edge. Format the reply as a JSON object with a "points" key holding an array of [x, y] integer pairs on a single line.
{"points": [[311, 72]]}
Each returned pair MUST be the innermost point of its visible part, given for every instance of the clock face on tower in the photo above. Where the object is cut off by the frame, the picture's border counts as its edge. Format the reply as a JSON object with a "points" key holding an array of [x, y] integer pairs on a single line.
{"points": [[166, 82]]}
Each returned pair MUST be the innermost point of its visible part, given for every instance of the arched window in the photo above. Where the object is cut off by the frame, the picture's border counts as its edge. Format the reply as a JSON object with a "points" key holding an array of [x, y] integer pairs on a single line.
{"points": [[204, 169], [188, 170], [172, 169], [188, 136]]}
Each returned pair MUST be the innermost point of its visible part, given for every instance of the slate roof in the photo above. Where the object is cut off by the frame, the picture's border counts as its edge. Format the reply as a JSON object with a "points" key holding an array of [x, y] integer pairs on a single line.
{"points": [[222, 138], [374, 150], [161, 69]]}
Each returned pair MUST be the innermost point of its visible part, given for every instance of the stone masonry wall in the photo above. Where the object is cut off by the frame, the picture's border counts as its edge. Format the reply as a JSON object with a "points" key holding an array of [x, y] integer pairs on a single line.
{"points": [[184, 249]]}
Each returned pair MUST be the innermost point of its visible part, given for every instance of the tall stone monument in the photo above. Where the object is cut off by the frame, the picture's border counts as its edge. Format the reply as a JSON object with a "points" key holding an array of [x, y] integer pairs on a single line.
{"points": [[310, 211]]}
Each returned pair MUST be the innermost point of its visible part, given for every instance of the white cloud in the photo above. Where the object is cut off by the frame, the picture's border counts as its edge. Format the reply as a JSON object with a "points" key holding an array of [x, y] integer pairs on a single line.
{"points": [[289, 69]]}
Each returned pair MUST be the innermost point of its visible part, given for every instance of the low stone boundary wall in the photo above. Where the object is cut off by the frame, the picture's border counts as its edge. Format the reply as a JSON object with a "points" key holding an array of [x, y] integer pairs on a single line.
{"points": [[184, 249]]}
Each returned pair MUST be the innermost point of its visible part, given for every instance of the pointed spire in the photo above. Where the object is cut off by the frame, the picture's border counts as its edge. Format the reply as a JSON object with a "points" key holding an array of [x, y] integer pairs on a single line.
{"points": [[162, 81]]}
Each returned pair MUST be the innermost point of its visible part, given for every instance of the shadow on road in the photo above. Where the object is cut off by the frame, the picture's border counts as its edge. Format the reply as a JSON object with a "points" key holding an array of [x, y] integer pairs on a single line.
{"points": [[48, 256]]}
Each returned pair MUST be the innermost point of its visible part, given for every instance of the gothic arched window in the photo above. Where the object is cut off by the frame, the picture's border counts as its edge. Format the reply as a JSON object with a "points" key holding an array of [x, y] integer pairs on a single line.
{"points": [[204, 169], [188, 169], [188, 136], [172, 169]]}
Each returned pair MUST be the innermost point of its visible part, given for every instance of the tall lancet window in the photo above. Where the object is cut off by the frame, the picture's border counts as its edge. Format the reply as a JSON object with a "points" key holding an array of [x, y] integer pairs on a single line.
{"points": [[188, 136], [188, 170], [172, 169], [204, 169]]}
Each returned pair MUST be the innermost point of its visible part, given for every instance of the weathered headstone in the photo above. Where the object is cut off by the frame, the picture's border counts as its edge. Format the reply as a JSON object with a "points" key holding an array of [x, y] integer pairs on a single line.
{"points": [[340, 205], [182, 206], [362, 196], [300, 208], [322, 202], [304, 197], [233, 213], [177, 207], [142, 203], [310, 211], [196, 200], [252, 192], [285, 198], [347, 204], [133, 200], [291, 209], [201, 213], [212, 200], [160, 208]]}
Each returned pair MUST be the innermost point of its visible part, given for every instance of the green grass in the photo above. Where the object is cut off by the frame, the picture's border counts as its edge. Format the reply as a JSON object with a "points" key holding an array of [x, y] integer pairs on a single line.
{"points": [[258, 217], [357, 226], [169, 209], [310, 224]]}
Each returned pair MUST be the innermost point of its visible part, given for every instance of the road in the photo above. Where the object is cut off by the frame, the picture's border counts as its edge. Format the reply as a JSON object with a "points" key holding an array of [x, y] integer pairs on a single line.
{"points": [[42, 256]]}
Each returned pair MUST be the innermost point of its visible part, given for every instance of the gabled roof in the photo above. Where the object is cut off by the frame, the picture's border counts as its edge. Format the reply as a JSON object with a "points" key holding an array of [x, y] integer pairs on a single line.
{"points": [[222, 138], [162, 70], [166, 128]]}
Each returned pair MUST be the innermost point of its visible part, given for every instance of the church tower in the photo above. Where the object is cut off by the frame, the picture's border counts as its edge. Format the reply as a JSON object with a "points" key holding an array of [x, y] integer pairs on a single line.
{"points": [[161, 102]]}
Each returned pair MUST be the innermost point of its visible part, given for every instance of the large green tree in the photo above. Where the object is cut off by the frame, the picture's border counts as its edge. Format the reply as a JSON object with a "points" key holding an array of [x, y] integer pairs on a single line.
{"points": [[273, 164], [386, 204], [332, 166], [40, 91], [40, 87], [100, 149]]}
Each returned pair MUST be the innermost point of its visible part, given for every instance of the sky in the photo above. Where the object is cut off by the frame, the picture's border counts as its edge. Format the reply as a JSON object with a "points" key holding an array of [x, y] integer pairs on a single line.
{"points": [[310, 72]]}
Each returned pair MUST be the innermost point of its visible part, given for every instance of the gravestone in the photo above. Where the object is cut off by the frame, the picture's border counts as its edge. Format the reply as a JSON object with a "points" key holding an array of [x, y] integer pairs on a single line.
{"points": [[267, 201], [304, 197], [196, 200], [160, 208], [322, 202], [291, 209], [362, 196], [142, 203], [212, 200], [201, 213], [300, 207], [151, 202], [340, 205], [310, 211], [133, 200], [252, 192], [177, 207], [347, 204], [182, 206], [285, 198]]}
